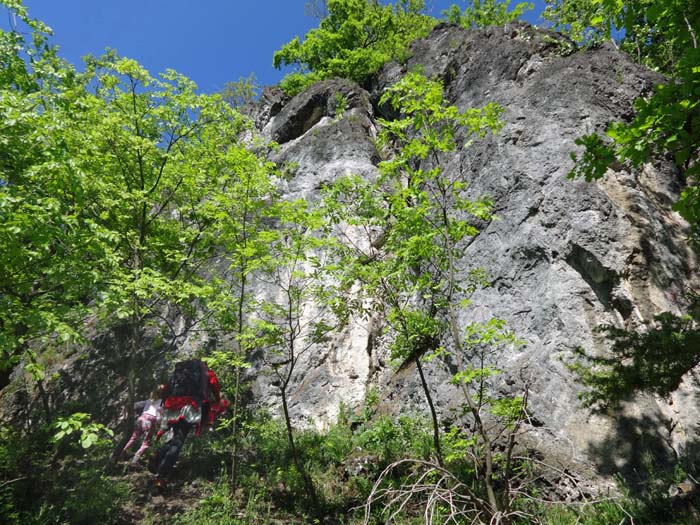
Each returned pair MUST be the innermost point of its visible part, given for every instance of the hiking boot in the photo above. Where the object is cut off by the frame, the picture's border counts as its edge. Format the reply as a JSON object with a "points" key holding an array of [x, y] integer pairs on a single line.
{"points": [[134, 465]]}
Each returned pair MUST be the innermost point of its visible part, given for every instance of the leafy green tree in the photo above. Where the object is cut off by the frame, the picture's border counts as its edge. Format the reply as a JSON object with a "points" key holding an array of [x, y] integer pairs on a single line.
{"points": [[241, 92], [119, 192], [354, 40], [288, 325], [664, 36], [404, 236], [246, 227], [49, 244], [415, 218], [657, 33], [164, 162], [484, 13]]}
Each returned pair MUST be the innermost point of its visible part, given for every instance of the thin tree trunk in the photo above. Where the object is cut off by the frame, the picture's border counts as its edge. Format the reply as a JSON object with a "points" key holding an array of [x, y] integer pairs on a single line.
{"points": [[45, 401], [298, 463], [480, 427], [133, 349], [433, 413], [235, 430], [131, 385]]}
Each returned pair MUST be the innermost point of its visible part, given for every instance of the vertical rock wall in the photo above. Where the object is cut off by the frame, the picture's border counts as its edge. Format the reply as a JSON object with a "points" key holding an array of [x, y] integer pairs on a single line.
{"points": [[564, 256]]}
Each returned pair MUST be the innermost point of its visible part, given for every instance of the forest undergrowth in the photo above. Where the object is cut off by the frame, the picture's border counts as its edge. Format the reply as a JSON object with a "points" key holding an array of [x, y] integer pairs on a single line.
{"points": [[345, 461]]}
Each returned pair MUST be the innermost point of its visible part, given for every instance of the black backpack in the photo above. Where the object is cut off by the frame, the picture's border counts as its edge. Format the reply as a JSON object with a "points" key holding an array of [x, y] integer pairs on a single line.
{"points": [[190, 378]]}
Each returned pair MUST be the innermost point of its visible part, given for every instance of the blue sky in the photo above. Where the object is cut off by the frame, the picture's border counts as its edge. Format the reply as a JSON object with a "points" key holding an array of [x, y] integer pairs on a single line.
{"points": [[210, 41]]}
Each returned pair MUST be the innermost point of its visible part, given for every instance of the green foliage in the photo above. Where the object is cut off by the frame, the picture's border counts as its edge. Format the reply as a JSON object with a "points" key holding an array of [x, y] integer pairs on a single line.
{"points": [[601, 513], [345, 463], [218, 508], [657, 33], [595, 159], [485, 13], [341, 105], [418, 331], [287, 325], [393, 439], [652, 360], [296, 81], [90, 433], [650, 504], [82, 495], [157, 146], [241, 92], [354, 40], [41, 486], [116, 187], [48, 245], [342, 462], [406, 206], [415, 219]]}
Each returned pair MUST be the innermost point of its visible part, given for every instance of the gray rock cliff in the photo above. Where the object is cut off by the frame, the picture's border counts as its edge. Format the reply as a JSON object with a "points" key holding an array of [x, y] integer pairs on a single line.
{"points": [[564, 257]]}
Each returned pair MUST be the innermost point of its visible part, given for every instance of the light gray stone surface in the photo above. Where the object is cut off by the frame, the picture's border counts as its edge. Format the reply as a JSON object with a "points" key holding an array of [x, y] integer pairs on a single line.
{"points": [[564, 257]]}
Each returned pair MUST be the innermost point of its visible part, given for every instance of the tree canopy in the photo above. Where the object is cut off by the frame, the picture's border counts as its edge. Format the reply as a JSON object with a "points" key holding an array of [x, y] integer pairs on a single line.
{"points": [[484, 13], [354, 40]]}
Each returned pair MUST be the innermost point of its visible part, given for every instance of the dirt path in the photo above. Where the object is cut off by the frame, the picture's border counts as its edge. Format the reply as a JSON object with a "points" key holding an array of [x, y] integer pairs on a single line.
{"points": [[152, 505]]}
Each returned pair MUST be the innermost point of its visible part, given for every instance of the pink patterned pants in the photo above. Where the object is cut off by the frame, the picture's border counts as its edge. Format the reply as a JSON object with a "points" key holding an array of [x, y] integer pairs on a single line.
{"points": [[145, 426]]}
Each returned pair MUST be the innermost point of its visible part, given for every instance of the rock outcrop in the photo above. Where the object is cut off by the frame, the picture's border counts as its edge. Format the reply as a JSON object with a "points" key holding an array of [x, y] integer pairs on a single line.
{"points": [[564, 257]]}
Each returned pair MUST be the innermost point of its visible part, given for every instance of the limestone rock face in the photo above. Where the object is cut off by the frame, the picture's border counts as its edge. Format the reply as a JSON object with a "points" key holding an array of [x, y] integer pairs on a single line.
{"points": [[564, 257]]}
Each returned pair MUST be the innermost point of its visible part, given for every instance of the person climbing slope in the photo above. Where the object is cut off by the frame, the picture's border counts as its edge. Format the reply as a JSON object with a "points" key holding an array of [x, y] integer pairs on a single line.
{"points": [[146, 424], [192, 399]]}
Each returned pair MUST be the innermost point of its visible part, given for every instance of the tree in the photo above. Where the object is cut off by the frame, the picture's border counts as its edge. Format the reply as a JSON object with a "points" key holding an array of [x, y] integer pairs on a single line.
{"points": [[246, 227], [241, 92], [288, 325], [485, 13], [416, 221], [414, 217], [50, 245], [161, 160], [354, 40], [118, 195]]}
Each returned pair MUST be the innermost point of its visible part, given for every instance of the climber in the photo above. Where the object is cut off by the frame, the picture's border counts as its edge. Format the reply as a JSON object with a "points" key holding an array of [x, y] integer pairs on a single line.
{"points": [[146, 423], [192, 399]]}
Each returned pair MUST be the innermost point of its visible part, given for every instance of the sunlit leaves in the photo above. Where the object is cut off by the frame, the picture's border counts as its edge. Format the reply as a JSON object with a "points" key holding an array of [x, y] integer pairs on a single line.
{"points": [[49, 244], [415, 216], [415, 330], [354, 40], [89, 434], [117, 189], [485, 13]]}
